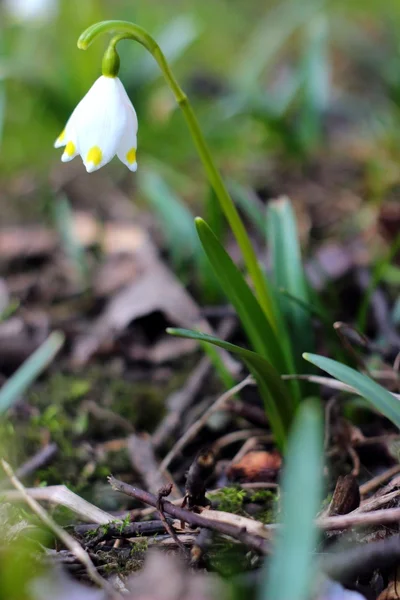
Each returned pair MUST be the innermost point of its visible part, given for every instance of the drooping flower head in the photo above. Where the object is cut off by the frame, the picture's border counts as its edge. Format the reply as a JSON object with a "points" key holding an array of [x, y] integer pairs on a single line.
{"points": [[104, 124]]}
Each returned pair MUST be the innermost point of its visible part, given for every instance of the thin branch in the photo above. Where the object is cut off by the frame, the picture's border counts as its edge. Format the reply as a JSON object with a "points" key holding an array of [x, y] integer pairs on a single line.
{"points": [[60, 495], [68, 541], [240, 533], [199, 424], [374, 483], [385, 516]]}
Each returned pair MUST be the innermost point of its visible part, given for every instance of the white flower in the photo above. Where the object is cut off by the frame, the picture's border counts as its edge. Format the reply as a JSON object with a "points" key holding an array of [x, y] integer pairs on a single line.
{"points": [[31, 10], [104, 124]]}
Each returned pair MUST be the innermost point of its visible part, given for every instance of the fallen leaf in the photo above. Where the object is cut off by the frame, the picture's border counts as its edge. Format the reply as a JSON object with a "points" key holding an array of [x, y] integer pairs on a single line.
{"points": [[256, 466]]}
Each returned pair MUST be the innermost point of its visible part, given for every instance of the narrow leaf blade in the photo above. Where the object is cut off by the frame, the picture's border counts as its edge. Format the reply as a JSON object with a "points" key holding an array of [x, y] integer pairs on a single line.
{"points": [[290, 569], [288, 273], [258, 329], [377, 395], [29, 371]]}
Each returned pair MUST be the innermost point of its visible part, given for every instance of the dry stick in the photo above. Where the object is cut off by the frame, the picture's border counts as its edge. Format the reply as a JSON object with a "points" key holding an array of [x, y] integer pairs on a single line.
{"points": [[377, 517], [199, 424], [376, 502], [143, 460], [37, 461], [253, 414], [60, 495], [253, 541], [162, 493], [68, 541], [180, 401], [374, 483], [238, 436]]}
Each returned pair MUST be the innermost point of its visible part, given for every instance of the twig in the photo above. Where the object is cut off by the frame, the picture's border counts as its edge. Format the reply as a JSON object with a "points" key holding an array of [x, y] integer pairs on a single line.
{"points": [[116, 530], [238, 436], [109, 416], [199, 424], [356, 519], [163, 493], [180, 401], [377, 502], [375, 482], [62, 496], [255, 542], [141, 454], [253, 414], [37, 461], [68, 541]]}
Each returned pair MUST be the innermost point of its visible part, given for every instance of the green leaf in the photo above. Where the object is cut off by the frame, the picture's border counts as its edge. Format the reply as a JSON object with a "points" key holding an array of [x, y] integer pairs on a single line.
{"points": [[29, 371], [175, 218], [279, 405], [377, 395], [290, 570], [256, 325], [63, 218], [316, 72], [248, 202], [288, 274], [174, 38], [271, 33]]}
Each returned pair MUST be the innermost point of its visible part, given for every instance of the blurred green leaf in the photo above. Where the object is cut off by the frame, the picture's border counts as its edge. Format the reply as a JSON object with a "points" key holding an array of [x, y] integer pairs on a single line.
{"points": [[249, 204], [377, 395], [175, 219], [269, 37], [64, 222], [288, 273], [279, 406], [29, 371], [290, 570], [174, 39], [316, 77]]}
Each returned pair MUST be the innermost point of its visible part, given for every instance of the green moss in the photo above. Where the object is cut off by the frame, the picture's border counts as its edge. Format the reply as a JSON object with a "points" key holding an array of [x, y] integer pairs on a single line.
{"points": [[268, 501], [230, 499]]}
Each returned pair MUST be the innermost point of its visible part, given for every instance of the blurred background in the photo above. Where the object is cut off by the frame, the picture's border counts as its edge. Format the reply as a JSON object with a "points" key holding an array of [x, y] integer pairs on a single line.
{"points": [[295, 97], [298, 97]]}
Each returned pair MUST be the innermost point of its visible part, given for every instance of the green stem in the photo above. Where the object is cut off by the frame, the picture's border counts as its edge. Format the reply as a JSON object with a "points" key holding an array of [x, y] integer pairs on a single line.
{"points": [[126, 30]]}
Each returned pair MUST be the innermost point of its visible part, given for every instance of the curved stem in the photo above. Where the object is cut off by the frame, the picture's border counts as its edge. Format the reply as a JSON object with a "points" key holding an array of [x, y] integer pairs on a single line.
{"points": [[126, 30]]}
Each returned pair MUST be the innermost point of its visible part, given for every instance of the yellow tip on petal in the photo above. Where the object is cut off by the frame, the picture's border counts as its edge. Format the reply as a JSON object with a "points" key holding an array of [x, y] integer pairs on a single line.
{"points": [[131, 156], [94, 156], [70, 149], [60, 140]]}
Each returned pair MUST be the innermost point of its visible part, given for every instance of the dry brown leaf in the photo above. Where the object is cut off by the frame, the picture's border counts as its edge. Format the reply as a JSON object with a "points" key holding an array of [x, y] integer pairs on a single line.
{"points": [[256, 466]]}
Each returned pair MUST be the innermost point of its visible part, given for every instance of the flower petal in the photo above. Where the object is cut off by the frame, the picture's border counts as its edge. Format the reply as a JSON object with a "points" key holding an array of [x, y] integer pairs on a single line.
{"points": [[127, 147], [60, 141], [100, 123], [70, 151]]}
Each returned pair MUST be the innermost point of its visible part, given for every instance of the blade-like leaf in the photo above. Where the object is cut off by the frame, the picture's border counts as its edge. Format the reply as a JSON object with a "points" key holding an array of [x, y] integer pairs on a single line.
{"points": [[277, 401], [29, 371], [175, 218], [63, 218], [288, 273], [258, 329], [379, 397], [289, 573]]}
